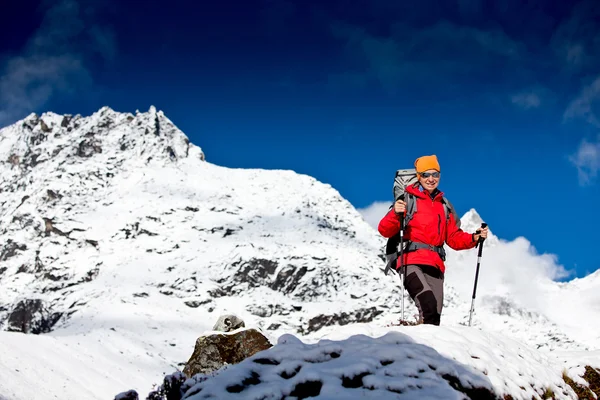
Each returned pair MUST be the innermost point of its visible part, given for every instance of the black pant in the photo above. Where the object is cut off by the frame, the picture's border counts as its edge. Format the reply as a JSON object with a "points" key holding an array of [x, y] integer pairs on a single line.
{"points": [[425, 285]]}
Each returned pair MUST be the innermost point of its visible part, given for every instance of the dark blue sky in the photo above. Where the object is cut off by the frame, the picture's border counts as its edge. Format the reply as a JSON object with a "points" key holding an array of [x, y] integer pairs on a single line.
{"points": [[505, 93]]}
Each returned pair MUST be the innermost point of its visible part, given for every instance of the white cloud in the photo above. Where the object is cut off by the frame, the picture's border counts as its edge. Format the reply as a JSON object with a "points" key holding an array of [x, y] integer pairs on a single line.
{"points": [[587, 156], [576, 38], [526, 100], [575, 54], [586, 104], [53, 60], [513, 269], [30, 81], [587, 161], [375, 212], [103, 41], [439, 54]]}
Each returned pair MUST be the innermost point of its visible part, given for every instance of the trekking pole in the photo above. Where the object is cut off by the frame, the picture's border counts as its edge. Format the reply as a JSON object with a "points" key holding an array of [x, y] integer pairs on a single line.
{"points": [[402, 266], [481, 240]]}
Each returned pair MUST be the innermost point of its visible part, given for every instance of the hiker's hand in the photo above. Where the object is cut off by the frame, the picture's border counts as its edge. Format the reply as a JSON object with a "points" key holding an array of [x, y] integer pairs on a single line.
{"points": [[399, 207], [481, 233]]}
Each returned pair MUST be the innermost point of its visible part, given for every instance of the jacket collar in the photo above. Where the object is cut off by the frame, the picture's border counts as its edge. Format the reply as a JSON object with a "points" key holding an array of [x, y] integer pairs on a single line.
{"points": [[417, 190]]}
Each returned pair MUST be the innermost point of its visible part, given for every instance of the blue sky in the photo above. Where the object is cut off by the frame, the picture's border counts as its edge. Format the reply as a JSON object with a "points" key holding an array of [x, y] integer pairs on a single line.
{"points": [[506, 95]]}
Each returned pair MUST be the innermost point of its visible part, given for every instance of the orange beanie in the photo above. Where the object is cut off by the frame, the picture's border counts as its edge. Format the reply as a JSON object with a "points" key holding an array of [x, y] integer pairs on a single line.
{"points": [[425, 163]]}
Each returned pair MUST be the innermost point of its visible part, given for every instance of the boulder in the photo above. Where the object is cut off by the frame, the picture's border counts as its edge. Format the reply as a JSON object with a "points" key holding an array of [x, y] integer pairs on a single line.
{"points": [[128, 395], [228, 323], [212, 352]]}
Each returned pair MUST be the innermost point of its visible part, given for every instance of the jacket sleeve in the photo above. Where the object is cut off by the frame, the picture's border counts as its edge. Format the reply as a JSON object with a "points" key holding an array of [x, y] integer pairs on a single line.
{"points": [[389, 225], [456, 238]]}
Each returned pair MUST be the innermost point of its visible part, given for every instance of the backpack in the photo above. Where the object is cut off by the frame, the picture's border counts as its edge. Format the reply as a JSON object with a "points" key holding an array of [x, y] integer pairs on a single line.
{"points": [[403, 179]]}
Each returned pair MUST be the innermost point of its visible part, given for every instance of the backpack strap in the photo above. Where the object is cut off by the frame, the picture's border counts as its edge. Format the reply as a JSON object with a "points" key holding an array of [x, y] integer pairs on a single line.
{"points": [[391, 253], [412, 246], [411, 207], [449, 209]]}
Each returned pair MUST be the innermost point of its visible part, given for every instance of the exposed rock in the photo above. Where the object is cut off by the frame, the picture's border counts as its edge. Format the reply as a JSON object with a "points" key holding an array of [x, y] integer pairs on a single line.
{"points": [[88, 148], [23, 200], [228, 323], [65, 121], [134, 230], [172, 388], [30, 158], [52, 195], [128, 395], [197, 303], [44, 127], [214, 351], [32, 316], [255, 271], [321, 282], [171, 153], [273, 327], [50, 228], [38, 139], [27, 126], [288, 278], [156, 126], [268, 310], [24, 220], [10, 249], [14, 159], [359, 316], [258, 272]]}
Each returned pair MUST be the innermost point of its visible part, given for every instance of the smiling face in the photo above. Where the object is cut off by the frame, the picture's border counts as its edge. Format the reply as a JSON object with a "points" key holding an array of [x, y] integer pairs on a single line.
{"points": [[429, 179]]}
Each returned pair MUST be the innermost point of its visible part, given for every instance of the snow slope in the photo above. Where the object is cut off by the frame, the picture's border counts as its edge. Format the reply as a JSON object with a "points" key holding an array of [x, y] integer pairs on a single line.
{"points": [[121, 244]]}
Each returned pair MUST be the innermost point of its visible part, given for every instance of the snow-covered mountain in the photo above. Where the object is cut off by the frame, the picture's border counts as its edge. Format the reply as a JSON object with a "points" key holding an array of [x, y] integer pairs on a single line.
{"points": [[121, 244]]}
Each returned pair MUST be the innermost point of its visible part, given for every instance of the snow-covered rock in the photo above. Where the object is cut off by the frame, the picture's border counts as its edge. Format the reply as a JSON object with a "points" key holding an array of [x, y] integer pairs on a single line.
{"points": [[366, 361]]}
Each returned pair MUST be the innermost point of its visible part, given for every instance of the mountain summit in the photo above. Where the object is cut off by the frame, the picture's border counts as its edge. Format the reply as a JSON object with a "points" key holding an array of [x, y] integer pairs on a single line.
{"points": [[118, 208]]}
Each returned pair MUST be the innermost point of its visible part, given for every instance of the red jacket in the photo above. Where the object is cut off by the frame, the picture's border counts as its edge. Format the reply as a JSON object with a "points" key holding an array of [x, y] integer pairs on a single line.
{"points": [[428, 225]]}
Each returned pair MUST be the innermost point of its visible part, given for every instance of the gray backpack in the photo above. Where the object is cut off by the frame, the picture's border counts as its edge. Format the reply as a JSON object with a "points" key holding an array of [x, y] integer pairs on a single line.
{"points": [[404, 178]]}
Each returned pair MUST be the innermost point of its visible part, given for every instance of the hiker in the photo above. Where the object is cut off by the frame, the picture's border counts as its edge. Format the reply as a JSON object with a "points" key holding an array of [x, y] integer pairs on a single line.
{"points": [[424, 235]]}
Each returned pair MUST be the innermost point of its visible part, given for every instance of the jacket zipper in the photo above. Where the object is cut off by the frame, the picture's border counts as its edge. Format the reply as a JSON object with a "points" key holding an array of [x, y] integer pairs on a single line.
{"points": [[439, 224]]}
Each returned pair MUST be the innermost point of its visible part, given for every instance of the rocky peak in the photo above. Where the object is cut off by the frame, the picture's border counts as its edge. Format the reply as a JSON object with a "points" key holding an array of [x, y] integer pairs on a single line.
{"points": [[48, 157], [119, 137], [56, 168]]}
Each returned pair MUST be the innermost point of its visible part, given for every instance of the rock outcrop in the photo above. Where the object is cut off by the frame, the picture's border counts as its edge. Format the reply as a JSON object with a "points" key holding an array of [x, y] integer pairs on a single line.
{"points": [[214, 351]]}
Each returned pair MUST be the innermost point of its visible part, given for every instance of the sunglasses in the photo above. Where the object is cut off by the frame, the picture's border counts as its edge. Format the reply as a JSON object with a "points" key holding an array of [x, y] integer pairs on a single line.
{"points": [[428, 174]]}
